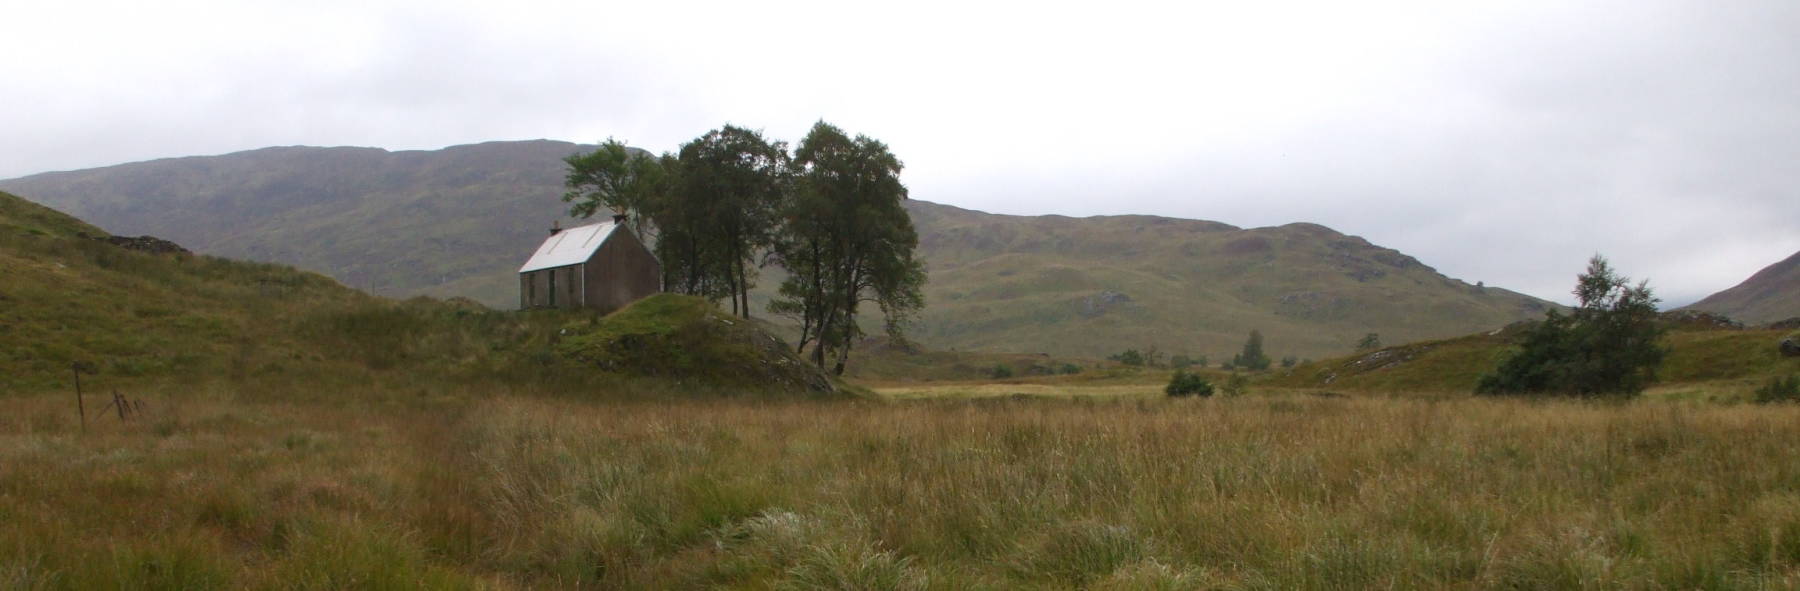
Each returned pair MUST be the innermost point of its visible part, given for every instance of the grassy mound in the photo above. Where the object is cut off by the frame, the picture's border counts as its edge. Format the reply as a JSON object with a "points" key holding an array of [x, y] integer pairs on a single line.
{"points": [[688, 339]]}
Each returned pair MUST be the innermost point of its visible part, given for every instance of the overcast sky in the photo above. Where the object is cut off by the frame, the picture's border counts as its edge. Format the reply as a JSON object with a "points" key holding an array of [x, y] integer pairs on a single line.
{"points": [[1501, 142]]}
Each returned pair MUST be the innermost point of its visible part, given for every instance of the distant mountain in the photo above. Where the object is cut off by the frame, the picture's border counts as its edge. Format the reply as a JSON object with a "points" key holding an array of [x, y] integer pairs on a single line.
{"points": [[1096, 285], [1770, 295], [459, 221]]}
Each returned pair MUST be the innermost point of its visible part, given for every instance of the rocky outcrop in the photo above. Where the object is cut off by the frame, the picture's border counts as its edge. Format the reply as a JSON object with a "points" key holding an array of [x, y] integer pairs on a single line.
{"points": [[149, 244], [1099, 303], [1699, 319]]}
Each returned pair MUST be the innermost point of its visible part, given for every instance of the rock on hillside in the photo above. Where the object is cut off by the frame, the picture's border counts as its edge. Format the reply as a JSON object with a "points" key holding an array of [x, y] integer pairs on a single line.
{"points": [[1771, 295]]}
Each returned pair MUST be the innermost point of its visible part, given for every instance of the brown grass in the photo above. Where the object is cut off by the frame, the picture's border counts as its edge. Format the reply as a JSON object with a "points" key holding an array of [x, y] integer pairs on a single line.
{"points": [[471, 488]]}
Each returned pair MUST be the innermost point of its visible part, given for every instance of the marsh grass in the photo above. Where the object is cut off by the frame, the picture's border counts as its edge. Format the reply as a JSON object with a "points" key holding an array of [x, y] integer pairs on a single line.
{"points": [[470, 488]]}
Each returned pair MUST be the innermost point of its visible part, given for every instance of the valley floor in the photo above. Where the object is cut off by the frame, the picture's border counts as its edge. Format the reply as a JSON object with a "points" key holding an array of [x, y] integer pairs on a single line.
{"points": [[212, 488]]}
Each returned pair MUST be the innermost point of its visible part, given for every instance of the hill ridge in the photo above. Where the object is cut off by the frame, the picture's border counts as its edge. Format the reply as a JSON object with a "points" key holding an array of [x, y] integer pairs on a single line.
{"points": [[1769, 295], [457, 221]]}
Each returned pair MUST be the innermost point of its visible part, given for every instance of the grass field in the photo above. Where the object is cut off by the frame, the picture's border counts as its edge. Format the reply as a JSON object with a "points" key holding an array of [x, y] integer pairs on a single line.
{"points": [[300, 435], [220, 487]]}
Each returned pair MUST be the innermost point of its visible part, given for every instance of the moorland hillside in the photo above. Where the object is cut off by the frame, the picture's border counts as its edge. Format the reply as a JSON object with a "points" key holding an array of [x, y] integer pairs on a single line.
{"points": [[457, 222], [145, 310]]}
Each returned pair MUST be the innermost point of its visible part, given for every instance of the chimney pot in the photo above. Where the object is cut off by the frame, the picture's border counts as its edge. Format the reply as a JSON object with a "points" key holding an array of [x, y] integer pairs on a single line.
{"points": [[618, 218], [555, 227]]}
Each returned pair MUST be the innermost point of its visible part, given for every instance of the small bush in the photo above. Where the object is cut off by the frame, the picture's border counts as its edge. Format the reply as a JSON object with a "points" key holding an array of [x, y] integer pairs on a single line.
{"points": [[1184, 362], [1369, 342], [1001, 371], [1069, 369], [1130, 357], [1188, 384], [1780, 390], [1237, 384]]}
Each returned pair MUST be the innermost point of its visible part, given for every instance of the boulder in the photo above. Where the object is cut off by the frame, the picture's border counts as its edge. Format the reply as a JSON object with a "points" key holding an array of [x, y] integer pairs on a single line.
{"points": [[1790, 347]]}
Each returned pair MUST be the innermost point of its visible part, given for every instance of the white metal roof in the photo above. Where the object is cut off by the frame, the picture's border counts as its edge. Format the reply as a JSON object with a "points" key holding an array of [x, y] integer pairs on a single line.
{"points": [[569, 247]]}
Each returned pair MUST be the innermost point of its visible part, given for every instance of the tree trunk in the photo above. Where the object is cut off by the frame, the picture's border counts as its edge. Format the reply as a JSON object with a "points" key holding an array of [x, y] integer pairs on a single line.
{"points": [[819, 347], [744, 287], [851, 291], [843, 356], [693, 257], [812, 304]]}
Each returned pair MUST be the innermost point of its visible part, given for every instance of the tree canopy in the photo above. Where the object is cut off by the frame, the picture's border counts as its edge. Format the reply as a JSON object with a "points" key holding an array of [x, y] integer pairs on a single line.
{"points": [[617, 178], [732, 182], [731, 201], [1252, 357], [846, 241]]}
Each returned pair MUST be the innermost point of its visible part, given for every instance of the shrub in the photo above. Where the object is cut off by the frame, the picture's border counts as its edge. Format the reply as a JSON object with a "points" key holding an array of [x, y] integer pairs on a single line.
{"points": [[1237, 384], [1184, 362], [1002, 371], [1780, 390], [1369, 342], [1188, 384], [1069, 369], [1130, 357], [1289, 361], [1607, 345]]}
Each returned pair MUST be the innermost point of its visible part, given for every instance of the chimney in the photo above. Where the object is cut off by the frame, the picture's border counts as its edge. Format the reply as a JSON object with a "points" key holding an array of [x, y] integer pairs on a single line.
{"points": [[555, 227], [619, 218]]}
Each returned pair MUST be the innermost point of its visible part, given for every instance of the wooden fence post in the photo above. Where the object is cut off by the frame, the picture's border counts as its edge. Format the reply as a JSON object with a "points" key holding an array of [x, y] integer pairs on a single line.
{"points": [[80, 406]]}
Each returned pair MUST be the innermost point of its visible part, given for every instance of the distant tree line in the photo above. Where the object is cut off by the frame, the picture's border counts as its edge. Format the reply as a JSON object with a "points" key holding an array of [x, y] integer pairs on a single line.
{"points": [[731, 202], [1251, 358]]}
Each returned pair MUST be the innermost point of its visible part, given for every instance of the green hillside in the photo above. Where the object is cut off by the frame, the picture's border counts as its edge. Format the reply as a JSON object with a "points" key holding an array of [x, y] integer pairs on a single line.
{"points": [[138, 317], [1099, 285], [72, 299], [458, 222], [1770, 295], [1735, 361]]}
